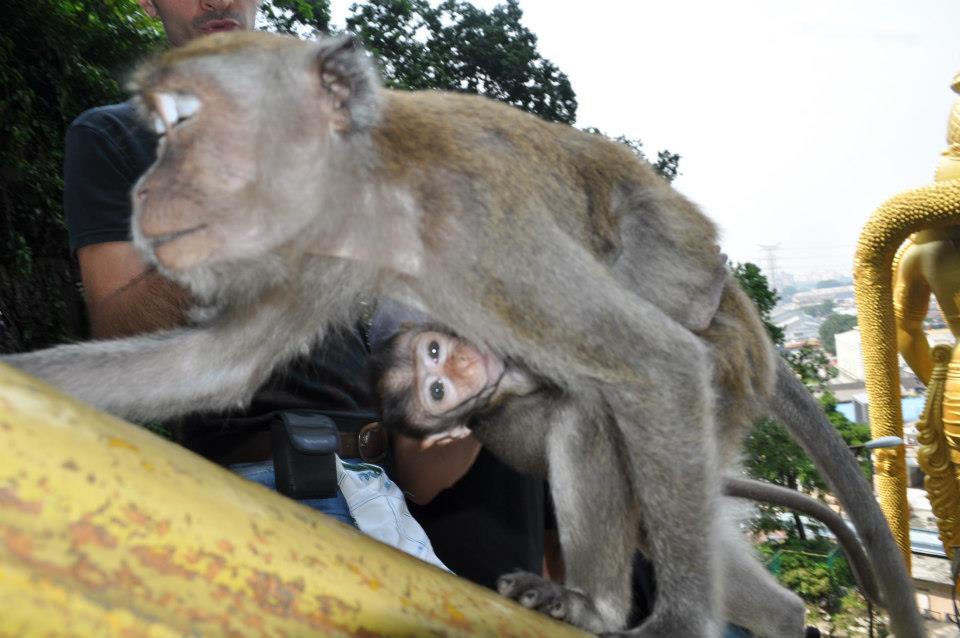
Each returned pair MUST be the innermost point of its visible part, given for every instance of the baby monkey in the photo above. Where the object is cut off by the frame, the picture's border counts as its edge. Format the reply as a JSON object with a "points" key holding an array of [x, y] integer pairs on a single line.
{"points": [[438, 387]]}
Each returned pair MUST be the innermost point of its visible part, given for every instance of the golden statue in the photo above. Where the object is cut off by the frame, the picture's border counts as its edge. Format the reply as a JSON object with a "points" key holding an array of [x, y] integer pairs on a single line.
{"points": [[893, 289], [929, 262]]}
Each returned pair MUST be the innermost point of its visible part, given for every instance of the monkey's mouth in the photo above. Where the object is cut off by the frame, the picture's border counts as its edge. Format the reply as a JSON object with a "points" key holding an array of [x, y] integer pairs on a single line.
{"points": [[181, 249], [159, 240]]}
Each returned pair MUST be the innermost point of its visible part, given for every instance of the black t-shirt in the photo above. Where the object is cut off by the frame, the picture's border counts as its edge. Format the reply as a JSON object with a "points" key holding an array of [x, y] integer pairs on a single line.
{"points": [[489, 523], [107, 149]]}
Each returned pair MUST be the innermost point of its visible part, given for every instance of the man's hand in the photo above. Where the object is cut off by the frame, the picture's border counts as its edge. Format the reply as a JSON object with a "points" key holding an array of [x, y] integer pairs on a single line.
{"points": [[423, 472], [123, 298]]}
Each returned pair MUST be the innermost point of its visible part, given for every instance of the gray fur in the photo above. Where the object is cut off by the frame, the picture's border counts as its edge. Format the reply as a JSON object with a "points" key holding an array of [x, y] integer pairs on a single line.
{"points": [[521, 429], [500, 226]]}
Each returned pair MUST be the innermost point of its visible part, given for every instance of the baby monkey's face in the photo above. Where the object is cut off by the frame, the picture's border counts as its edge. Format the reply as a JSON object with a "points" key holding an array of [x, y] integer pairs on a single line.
{"points": [[449, 371], [450, 378]]}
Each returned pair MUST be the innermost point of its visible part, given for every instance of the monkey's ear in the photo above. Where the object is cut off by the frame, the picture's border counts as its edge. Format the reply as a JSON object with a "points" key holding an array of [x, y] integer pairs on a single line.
{"points": [[348, 82]]}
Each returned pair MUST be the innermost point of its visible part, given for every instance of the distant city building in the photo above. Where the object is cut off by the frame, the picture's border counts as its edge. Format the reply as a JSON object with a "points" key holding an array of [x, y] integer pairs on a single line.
{"points": [[811, 297], [850, 354], [850, 357], [845, 307], [797, 325], [861, 408]]}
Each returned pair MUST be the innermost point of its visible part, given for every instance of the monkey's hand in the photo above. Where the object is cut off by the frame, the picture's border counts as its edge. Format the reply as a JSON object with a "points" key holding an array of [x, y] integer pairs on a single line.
{"points": [[553, 599]]}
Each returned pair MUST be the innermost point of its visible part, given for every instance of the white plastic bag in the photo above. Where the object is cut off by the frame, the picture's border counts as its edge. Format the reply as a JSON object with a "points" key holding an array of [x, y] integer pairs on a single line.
{"points": [[380, 511]]}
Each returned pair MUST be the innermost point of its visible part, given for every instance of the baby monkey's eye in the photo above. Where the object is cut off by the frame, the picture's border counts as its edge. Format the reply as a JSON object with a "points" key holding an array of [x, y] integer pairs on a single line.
{"points": [[434, 350], [170, 109], [436, 390]]}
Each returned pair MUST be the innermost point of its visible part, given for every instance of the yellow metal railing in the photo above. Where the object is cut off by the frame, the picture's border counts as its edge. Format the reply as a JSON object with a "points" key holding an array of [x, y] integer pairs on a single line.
{"points": [[109, 530]]}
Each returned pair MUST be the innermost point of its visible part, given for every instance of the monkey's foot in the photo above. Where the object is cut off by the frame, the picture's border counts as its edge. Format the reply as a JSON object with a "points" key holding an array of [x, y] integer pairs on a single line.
{"points": [[553, 599]]}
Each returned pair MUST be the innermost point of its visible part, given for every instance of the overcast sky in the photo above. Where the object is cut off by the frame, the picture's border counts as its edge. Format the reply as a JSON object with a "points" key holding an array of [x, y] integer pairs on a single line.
{"points": [[794, 120]]}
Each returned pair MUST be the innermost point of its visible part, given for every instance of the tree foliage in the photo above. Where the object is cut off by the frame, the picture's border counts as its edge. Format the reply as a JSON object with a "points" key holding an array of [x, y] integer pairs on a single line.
{"points": [[459, 47], [304, 18], [755, 284], [816, 571]]}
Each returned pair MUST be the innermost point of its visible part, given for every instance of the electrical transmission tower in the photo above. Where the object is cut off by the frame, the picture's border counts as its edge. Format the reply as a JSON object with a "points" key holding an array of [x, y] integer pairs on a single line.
{"points": [[770, 257]]}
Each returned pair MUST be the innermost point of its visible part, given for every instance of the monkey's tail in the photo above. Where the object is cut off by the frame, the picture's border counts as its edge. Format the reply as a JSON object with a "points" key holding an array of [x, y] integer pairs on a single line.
{"points": [[804, 418], [794, 500]]}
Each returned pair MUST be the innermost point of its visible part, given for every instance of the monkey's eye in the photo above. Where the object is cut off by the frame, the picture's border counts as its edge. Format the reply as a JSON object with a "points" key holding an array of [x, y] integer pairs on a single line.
{"points": [[436, 390], [434, 350], [170, 109]]}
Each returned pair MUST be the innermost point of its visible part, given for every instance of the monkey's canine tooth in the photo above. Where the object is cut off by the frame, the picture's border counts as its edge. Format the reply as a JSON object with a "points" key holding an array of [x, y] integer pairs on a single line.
{"points": [[187, 105], [166, 106]]}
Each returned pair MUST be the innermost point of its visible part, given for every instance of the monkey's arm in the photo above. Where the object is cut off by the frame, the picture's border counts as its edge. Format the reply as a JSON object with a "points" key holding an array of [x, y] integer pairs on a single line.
{"points": [[170, 373], [791, 499], [592, 513]]}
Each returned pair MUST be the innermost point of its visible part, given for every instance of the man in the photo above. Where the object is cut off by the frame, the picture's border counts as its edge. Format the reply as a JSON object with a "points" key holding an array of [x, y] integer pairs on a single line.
{"points": [[107, 149]]}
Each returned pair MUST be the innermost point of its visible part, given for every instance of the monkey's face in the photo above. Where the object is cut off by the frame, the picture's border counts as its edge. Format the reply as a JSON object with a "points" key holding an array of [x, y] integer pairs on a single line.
{"points": [[448, 379], [449, 372], [245, 122], [186, 206]]}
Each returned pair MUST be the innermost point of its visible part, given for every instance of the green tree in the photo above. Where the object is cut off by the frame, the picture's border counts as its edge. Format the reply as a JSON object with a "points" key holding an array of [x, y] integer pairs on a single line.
{"points": [[833, 325], [304, 18], [773, 456], [667, 164], [812, 365], [459, 47], [755, 284], [816, 571]]}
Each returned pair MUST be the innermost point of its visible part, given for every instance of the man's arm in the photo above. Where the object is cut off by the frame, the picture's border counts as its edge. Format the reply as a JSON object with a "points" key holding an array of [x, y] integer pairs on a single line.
{"points": [[122, 297], [422, 473]]}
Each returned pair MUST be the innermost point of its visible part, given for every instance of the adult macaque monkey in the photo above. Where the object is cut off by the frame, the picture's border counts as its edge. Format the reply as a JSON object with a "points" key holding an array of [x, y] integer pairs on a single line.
{"points": [[437, 387], [289, 186]]}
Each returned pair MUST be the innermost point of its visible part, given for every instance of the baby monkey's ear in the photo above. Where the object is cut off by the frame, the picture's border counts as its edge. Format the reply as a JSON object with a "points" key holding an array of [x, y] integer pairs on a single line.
{"points": [[348, 83]]}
